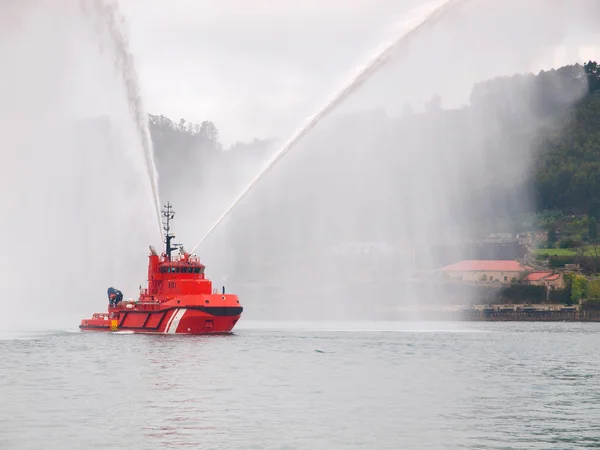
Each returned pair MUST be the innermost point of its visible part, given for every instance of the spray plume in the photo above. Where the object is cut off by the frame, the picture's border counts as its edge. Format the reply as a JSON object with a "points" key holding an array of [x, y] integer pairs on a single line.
{"points": [[359, 219], [74, 179], [108, 19], [378, 61]]}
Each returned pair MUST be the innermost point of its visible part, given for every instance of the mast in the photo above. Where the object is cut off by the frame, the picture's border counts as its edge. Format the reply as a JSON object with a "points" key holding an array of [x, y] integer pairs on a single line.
{"points": [[168, 214]]}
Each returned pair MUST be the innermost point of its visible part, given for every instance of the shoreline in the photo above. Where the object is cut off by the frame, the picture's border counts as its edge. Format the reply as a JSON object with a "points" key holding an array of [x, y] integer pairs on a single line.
{"points": [[447, 313], [516, 313]]}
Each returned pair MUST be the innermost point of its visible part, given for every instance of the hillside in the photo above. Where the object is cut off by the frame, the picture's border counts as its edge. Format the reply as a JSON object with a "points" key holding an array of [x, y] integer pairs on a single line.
{"points": [[566, 174], [525, 144]]}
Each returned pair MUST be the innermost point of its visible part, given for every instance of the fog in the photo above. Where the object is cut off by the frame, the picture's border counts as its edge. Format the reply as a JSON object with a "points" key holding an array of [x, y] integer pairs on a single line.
{"points": [[346, 226], [349, 223], [77, 203]]}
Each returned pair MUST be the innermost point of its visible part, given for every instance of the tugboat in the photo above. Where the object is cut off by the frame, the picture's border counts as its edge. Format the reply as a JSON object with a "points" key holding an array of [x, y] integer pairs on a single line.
{"points": [[178, 299]]}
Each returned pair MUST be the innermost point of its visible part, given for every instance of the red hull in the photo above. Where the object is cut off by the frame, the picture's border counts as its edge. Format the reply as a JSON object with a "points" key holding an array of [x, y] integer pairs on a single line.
{"points": [[205, 315], [179, 299]]}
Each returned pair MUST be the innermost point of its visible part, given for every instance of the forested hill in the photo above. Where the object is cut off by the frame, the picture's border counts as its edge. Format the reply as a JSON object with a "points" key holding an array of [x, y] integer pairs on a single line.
{"points": [[566, 168]]}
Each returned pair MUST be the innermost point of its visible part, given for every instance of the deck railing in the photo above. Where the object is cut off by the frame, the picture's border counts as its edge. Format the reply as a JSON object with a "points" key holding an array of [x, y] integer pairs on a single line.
{"points": [[103, 316], [179, 258]]}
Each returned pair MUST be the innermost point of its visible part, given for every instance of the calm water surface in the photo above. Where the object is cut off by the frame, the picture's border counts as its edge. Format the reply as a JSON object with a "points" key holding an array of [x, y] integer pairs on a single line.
{"points": [[328, 386]]}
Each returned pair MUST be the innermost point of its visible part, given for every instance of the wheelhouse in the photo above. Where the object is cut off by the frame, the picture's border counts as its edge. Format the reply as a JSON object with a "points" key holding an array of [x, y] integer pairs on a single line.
{"points": [[172, 268]]}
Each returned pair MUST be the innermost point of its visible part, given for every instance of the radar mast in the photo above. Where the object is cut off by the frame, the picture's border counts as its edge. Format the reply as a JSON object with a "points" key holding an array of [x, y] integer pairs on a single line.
{"points": [[168, 215]]}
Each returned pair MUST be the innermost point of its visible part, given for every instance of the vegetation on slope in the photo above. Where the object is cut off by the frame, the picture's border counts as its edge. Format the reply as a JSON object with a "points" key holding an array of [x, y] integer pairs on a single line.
{"points": [[567, 169], [556, 112]]}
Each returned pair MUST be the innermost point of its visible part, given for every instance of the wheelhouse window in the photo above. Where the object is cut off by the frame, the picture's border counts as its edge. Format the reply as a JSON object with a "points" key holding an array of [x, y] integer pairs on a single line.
{"points": [[173, 269], [184, 269]]}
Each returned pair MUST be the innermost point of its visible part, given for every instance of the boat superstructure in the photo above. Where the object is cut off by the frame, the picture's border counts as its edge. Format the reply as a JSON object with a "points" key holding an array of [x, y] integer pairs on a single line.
{"points": [[178, 299]]}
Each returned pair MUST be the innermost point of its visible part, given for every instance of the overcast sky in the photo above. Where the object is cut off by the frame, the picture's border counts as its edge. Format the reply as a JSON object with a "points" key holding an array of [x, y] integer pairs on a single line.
{"points": [[257, 68]]}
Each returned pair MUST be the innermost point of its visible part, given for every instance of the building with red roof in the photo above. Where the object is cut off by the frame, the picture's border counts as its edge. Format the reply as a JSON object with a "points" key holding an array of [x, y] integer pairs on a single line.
{"points": [[549, 279], [536, 276], [487, 270], [501, 271]]}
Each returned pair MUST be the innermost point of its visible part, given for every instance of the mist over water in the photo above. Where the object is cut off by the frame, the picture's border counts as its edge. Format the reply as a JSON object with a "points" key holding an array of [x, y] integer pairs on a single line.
{"points": [[350, 221], [346, 225], [109, 24], [78, 211], [430, 17]]}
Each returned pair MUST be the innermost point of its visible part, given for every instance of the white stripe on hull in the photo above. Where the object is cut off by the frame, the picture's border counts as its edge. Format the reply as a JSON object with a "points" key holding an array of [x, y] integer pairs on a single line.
{"points": [[174, 322], [170, 320]]}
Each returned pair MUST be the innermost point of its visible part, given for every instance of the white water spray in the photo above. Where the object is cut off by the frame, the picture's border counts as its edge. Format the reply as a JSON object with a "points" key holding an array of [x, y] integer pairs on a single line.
{"points": [[73, 180], [357, 220], [378, 61], [109, 20]]}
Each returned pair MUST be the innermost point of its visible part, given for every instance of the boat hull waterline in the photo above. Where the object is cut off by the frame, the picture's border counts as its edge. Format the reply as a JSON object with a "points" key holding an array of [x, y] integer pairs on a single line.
{"points": [[179, 299], [172, 320]]}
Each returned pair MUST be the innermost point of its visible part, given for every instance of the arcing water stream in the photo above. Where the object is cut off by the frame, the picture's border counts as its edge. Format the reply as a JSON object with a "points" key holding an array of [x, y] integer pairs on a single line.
{"points": [[75, 195], [77, 155], [378, 61], [108, 18], [373, 201]]}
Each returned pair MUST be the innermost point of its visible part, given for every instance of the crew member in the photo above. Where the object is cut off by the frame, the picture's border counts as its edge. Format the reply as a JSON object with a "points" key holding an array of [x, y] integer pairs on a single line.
{"points": [[114, 296]]}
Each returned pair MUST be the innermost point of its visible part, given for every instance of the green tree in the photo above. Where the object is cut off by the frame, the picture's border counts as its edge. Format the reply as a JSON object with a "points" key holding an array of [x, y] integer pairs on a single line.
{"points": [[592, 228], [552, 236], [594, 290], [577, 285], [594, 208], [592, 72], [209, 131]]}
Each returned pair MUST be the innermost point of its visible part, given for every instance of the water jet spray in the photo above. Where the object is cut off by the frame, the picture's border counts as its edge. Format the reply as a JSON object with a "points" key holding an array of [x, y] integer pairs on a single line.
{"points": [[377, 62], [107, 12], [73, 170]]}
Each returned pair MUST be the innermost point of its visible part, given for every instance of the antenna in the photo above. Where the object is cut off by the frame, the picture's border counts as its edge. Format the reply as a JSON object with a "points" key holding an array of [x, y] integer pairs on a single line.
{"points": [[168, 214]]}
